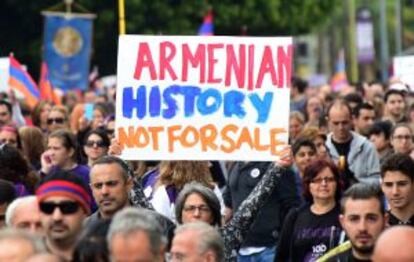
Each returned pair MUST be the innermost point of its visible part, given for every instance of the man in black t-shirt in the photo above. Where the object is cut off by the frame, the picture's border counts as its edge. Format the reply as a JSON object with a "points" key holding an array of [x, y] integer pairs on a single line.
{"points": [[397, 183]]}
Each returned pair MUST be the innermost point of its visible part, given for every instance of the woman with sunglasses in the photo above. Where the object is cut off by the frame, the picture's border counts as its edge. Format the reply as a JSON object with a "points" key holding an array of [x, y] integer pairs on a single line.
{"points": [[57, 119], [313, 229], [96, 144]]}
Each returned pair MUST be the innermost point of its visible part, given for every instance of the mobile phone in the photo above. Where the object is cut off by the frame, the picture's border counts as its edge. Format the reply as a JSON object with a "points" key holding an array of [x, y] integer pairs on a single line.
{"points": [[48, 159], [88, 111]]}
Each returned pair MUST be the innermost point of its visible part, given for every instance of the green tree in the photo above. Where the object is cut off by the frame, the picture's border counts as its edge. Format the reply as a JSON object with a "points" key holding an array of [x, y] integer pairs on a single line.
{"points": [[21, 23]]}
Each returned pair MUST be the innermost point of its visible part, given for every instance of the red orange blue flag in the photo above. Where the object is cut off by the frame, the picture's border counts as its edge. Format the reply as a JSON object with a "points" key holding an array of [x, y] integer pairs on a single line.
{"points": [[207, 28], [20, 80], [45, 86], [339, 79]]}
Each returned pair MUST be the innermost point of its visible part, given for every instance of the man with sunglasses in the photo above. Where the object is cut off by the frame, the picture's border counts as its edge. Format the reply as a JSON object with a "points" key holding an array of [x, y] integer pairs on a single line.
{"points": [[64, 203]]}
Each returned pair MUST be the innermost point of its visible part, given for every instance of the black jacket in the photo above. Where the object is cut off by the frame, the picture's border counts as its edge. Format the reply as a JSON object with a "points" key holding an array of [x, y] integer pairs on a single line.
{"points": [[242, 178]]}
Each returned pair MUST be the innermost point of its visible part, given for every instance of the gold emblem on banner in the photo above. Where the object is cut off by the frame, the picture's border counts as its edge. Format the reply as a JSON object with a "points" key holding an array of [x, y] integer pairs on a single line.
{"points": [[67, 41]]}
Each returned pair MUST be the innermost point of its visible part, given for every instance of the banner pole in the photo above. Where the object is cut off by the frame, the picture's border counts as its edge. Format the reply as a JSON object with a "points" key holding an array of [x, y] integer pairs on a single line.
{"points": [[121, 8], [68, 4]]}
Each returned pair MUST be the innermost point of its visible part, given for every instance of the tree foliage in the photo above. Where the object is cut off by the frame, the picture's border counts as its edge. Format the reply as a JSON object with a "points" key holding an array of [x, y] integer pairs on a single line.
{"points": [[21, 23]]}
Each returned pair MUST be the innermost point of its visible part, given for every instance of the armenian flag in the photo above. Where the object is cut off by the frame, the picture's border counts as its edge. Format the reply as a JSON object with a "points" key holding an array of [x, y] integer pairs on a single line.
{"points": [[46, 88], [20, 80], [207, 28]]}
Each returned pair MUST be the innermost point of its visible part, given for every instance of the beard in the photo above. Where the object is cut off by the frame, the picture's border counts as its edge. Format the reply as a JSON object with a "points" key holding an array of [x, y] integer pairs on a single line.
{"points": [[364, 250]]}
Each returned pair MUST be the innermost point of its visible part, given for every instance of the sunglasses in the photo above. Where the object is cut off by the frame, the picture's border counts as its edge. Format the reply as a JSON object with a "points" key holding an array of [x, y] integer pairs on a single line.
{"points": [[66, 207], [8, 141], [55, 120], [95, 143]]}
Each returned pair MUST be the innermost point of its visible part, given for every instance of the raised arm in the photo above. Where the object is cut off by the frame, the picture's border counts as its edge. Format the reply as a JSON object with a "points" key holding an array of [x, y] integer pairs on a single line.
{"points": [[235, 230]]}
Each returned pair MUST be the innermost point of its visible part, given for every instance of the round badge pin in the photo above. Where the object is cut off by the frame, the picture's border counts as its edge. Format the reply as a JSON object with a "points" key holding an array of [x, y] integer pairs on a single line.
{"points": [[255, 172]]}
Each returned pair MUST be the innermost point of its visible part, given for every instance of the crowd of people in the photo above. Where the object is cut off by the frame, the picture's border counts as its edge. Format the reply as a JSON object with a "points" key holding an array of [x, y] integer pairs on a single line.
{"points": [[343, 189]]}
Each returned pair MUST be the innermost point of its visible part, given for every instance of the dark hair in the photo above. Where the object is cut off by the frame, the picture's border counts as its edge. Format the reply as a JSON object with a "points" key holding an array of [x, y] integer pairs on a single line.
{"points": [[103, 108], [206, 194], [313, 170], [68, 140], [299, 83], [381, 127], [7, 192], [363, 191], [362, 106], [109, 118], [8, 105], [65, 176], [354, 98], [302, 142], [126, 169], [13, 166], [398, 162], [92, 245], [392, 92], [99, 132]]}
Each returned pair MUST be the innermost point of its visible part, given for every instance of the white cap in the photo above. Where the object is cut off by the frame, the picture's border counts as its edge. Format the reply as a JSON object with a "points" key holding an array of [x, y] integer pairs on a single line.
{"points": [[398, 86]]}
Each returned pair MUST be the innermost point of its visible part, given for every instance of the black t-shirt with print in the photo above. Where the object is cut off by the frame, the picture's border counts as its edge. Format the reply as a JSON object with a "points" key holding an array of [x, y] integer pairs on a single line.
{"points": [[314, 234], [395, 221]]}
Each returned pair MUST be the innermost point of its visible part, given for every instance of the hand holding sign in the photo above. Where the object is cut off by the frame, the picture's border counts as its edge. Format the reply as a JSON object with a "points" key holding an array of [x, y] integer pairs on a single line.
{"points": [[115, 148], [192, 98], [286, 159]]}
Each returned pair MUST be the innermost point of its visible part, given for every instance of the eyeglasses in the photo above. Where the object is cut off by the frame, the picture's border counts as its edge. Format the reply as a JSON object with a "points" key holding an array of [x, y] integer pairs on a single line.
{"points": [[95, 143], [323, 179], [170, 257], [192, 208], [66, 207], [109, 183], [403, 137], [58, 120]]}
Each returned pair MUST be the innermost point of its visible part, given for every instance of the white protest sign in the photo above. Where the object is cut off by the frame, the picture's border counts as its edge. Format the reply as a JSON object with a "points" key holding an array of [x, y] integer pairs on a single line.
{"points": [[404, 70], [4, 74], [203, 98]]}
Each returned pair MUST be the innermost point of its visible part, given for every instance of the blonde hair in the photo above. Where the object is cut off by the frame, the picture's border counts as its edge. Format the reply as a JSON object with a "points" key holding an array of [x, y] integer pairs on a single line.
{"points": [[298, 116], [62, 110], [179, 173]]}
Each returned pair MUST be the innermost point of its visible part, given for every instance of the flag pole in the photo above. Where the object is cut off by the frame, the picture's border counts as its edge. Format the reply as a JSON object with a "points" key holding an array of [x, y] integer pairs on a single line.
{"points": [[121, 8]]}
